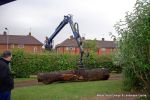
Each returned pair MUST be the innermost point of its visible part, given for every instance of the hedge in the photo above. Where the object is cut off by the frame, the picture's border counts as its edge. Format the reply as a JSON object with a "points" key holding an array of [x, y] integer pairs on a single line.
{"points": [[26, 64]]}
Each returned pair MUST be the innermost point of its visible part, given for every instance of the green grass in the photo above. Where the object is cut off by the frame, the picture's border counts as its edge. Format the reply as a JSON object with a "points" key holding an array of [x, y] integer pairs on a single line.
{"points": [[67, 91]]}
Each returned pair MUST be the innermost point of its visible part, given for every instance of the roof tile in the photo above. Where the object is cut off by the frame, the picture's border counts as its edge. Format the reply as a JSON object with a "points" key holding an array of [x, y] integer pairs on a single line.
{"points": [[19, 39], [100, 44]]}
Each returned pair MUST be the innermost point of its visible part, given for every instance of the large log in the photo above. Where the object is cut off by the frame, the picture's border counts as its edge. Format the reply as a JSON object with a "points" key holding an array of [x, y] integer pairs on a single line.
{"points": [[74, 75]]}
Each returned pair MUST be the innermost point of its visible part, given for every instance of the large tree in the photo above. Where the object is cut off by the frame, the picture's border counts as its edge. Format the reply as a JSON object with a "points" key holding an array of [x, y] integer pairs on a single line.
{"points": [[134, 47]]}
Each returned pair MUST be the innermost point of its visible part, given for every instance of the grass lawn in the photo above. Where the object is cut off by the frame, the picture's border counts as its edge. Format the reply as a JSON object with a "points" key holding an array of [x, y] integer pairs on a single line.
{"points": [[67, 91]]}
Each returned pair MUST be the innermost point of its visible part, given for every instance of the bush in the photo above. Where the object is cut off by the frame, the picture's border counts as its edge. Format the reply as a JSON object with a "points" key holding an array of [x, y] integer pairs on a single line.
{"points": [[19, 64], [103, 61], [134, 47], [26, 64]]}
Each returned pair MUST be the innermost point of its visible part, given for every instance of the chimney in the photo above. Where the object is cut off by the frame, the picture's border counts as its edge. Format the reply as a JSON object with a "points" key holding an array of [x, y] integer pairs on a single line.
{"points": [[29, 33], [71, 37], [4, 33], [103, 39], [114, 39], [83, 38]]}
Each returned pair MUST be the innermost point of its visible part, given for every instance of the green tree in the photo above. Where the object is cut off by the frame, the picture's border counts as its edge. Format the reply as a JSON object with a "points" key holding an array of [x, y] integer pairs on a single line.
{"points": [[90, 44], [134, 47]]}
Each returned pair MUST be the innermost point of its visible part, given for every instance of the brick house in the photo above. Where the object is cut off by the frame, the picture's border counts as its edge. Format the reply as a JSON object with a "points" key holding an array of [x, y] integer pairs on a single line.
{"points": [[70, 46], [27, 43], [106, 47]]}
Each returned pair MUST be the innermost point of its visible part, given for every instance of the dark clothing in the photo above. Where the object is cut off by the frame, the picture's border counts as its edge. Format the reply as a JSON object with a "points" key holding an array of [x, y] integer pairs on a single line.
{"points": [[5, 95], [6, 79]]}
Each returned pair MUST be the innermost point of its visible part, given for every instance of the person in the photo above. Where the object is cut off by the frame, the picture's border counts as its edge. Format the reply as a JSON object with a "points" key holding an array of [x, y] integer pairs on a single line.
{"points": [[6, 79]]}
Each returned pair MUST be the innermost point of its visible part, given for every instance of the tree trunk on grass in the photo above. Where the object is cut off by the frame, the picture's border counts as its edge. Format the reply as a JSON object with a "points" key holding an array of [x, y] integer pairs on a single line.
{"points": [[74, 75]]}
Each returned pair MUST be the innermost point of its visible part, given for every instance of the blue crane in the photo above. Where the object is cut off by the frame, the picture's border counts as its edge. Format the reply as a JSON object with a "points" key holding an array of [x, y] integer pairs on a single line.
{"points": [[2, 2], [75, 29]]}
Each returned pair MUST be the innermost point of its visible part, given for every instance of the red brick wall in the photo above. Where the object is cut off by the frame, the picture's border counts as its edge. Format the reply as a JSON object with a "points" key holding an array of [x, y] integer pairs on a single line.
{"points": [[106, 51], [3, 48], [65, 50], [77, 50], [33, 48], [27, 48]]}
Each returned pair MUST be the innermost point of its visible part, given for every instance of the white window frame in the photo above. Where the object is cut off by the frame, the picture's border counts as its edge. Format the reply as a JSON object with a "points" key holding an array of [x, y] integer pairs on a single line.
{"points": [[20, 45], [35, 49], [103, 49], [70, 48], [12, 46]]}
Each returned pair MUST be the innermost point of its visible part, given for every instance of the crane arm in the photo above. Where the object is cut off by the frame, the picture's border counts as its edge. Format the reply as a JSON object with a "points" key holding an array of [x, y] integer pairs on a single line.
{"points": [[75, 29]]}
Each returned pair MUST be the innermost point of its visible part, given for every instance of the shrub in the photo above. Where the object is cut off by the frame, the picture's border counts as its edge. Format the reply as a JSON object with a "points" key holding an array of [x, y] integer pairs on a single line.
{"points": [[26, 64], [134, 47], [19, 64]]}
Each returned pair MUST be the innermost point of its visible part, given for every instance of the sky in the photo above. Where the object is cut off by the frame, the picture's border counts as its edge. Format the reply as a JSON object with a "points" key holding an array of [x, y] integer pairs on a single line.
{"points": [[96, 18]]}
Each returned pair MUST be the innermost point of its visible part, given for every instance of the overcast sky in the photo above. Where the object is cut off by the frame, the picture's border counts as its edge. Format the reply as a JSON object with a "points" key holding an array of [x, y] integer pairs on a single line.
{"points": [[96, 18]]}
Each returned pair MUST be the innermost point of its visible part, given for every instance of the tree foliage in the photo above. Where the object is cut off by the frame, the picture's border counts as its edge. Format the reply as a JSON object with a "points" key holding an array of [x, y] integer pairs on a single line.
{"points": [[90, 44], [134, 47]]}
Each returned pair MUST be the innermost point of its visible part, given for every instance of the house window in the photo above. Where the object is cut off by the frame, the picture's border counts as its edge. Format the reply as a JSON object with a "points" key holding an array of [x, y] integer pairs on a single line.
{"points": [[12, 46], [20, 46], [113, 49], [103, 49], [35, 49], [70, 48]]}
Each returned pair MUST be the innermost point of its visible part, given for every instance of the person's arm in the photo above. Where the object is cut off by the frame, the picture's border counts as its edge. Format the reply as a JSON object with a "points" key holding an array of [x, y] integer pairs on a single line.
{"points": [[3, 72]]}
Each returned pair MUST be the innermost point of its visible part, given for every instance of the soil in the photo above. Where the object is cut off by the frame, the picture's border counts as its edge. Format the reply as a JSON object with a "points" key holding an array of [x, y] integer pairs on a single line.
{"points": [[26, 83]]}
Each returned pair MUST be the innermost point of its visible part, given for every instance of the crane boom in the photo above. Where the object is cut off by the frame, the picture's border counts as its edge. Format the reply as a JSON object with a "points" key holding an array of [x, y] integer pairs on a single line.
{"points": [[75, 29]]}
